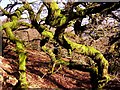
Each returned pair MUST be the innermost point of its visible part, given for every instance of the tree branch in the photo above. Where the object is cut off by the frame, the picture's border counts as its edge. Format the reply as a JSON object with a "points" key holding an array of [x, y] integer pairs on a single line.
{"points": [[4, 12]]}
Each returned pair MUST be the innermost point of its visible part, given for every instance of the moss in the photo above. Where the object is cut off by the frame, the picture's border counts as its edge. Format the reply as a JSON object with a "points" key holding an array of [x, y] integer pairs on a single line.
{"points": [[8, 27], [102, 69], [4, 11], [63, 20], [1, 28], [31, 14], [24, 24], [62, 62], [55, 18], [47, 34], [73, 45], [58, 21], [22, 80], [22, 61], [18, 13], [14, 18], [12, 25], [10, 34], [49, 52], [55, 9], [103, 81], [20, 46], [21, 54]]}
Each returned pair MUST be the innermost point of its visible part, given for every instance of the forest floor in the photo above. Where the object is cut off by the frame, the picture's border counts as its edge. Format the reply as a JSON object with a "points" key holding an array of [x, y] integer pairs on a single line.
{"points": [[38, 68]]}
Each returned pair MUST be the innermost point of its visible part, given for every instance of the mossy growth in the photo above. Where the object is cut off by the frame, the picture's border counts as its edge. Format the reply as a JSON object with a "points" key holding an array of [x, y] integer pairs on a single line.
{"points": [[49, 52], [47, 34], [8, 27], [102, 64], [55, 18]]}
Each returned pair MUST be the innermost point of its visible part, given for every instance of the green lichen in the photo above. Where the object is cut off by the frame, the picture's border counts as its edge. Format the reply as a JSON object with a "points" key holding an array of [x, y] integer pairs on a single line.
{"points": [[49, 52], [72, 45], [14, 18], [102, 63], [63, 20], [55, 9], [47, 34], [8, 27], [20, 46], [21, 53], [4, 11], [55, 18], [22, 61], [103, 81], [1, 28], [59, 21], [24, 24]]}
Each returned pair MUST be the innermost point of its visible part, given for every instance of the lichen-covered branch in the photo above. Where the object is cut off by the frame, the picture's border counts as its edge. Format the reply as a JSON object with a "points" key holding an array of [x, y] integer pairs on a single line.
{"points": [[39, 12], [4, 12], [32, 16], [60, 21], [54, 18], [21, 53], [25, 24], [49, 52], [8, 27], [43, 30], [99, 73], [102, 63]]}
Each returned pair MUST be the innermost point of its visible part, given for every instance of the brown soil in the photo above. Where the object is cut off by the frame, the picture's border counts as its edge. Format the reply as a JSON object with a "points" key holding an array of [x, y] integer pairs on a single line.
{"points": [[38, 76]]}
